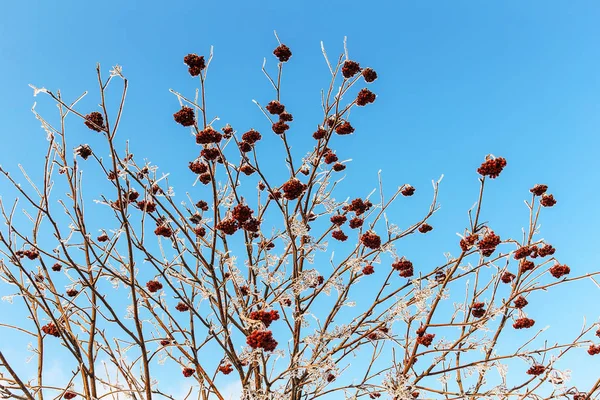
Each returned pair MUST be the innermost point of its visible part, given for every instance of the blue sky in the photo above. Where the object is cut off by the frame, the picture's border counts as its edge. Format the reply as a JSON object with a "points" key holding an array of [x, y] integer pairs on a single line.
{"points": [[458, 80]]}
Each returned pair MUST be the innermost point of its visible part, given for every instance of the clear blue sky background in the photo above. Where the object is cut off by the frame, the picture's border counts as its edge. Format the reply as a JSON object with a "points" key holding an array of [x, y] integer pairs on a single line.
{"points": [[458, 80]]}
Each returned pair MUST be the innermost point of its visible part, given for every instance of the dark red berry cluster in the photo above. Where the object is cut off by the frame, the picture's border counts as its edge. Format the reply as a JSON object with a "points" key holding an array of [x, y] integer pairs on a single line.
{"points": [[520, 302], [478, 309], [371, 240], [293, 189], [185, 116], [195, 63], [282, 52], [547, 200], [404, 267], [487, 245], [364, 97], [407, 190], [51, 329], [523, 323], [208, 135], [425, 228], [368, 270], [154, 286], [539, 189], [266, 317], [228, 226], [558, 271], [492, 167], [536, 370], [261, 340], [83, 151], [350, 68], [95, 121], [358, 206]]}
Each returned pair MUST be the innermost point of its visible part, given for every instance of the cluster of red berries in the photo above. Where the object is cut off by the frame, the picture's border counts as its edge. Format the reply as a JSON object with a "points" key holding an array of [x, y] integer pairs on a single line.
{"points": [[559, 271], [30, 253], [208, 136], [249, 138], [350, 68], [276, 108], [539, 189], [282, 52], [594, 349], [247, 169], [337, 167], [356, 222], [338, 234], [371, 240], [195, 63], [338, 219], [320, 133], [523, 323], [425, 228], [344, 128], [425, 339], [200, 231], [226, 369], [103, 238], [358, 206], [477, 310], [95, 121], [182, 307], [252, 225], [293, 189], [364, 97], [468, 242], [407, 190], [146, 206], [368, 270], [69, 395], [83, 151], [163, 228], [227, 131], [266, 317], [507, 277], [520, 302], [228, 226], [492, 167], [72, 292], [369, 75], [547, 200], [56, 267], [261, 339], [154, 286], [526, 265], [522, 252], [211, 154], [330, 157], [51, 329], [487, 245], [187, 371], [546, 250], [185, 116], [241, 213], [404, 267], [536, 370]]}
